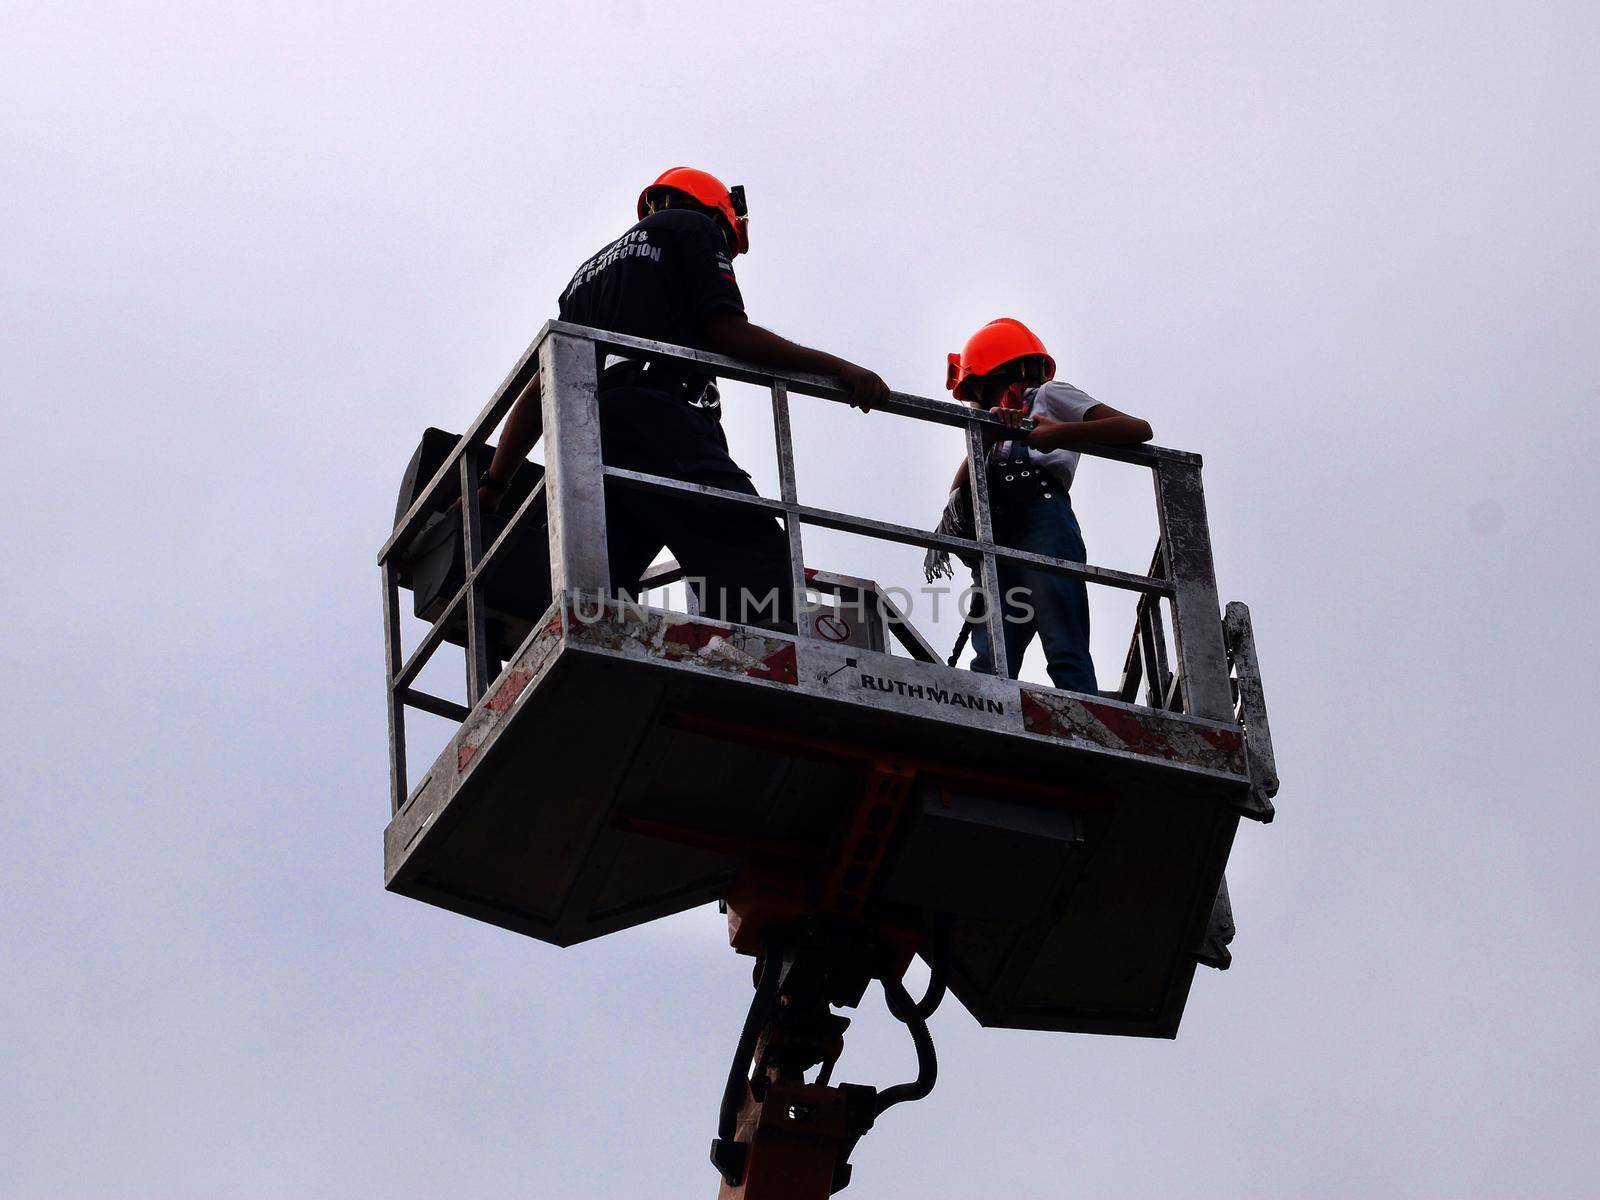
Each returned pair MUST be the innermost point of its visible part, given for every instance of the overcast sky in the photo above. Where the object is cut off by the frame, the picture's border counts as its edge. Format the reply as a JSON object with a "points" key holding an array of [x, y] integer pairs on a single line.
{"points": [[1346, 251]]}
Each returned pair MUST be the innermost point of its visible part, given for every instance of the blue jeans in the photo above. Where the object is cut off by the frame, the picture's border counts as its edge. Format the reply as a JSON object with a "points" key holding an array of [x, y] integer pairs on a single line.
{"points": [[1060, 605]]}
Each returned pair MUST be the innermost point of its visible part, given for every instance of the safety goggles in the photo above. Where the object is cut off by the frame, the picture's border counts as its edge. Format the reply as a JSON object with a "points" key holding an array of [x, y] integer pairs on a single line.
{"points": [[1030, 372]]}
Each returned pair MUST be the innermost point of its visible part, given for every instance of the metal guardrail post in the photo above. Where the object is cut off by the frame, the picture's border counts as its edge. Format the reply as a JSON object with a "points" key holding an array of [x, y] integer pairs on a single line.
{"points": [[396, 701], [574, 476], [472, 551], [1146, 660], [983, 526], [1196, 614], [1241, 644], [1153, 652], [788, 492]]}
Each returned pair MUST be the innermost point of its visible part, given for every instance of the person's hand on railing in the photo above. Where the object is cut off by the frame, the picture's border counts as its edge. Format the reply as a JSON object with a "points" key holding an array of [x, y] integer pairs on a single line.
{"points": [[488, 500], [866, 388], [1009, 418], [730, 332]]}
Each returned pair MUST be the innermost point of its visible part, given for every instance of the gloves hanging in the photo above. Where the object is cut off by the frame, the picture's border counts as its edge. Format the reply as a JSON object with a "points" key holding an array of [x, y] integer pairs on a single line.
{"points": [[955, 521]]}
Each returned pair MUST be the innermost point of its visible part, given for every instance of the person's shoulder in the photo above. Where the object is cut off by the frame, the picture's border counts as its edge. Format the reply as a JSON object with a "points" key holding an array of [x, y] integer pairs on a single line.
{"points": [[681, 221], [1062, 401], [1058, 390]]}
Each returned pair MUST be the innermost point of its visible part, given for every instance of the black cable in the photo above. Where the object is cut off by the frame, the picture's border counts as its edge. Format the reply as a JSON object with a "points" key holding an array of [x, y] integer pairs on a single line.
{"points": [[972, 619], [938, 962], [961, 642], [927, 1063], [755, 1020]]}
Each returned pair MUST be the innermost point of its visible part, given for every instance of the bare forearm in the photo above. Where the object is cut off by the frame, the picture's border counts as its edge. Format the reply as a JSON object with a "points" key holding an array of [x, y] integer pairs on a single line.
{"points": [[961, 476], [1106, 431], [521, 431], [754, 344], [730, 332]]}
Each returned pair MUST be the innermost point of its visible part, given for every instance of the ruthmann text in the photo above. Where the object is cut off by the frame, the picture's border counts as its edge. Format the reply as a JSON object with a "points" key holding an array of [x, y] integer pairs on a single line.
{"points": [[933, 695]]}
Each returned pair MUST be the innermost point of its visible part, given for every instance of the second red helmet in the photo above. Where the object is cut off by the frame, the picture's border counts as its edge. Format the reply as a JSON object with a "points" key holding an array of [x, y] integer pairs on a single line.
{"points": [[707, 189], [1003, 340]]}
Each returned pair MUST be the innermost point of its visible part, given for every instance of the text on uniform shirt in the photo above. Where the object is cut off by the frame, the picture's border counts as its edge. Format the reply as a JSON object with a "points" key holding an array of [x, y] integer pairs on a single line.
{"points": [[633, 244]]}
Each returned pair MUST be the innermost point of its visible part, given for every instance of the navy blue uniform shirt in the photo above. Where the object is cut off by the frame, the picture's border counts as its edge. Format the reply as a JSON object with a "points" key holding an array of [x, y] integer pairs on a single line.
{"points": [[660, 280]]}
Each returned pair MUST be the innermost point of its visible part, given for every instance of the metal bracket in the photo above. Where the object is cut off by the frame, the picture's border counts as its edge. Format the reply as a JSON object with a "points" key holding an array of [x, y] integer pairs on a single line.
{"points": [[1251, 712], [1213, 948]]}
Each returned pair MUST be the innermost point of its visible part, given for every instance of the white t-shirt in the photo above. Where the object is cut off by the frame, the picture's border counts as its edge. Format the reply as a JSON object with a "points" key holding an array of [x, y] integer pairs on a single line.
{"points": [[1058, 402]]}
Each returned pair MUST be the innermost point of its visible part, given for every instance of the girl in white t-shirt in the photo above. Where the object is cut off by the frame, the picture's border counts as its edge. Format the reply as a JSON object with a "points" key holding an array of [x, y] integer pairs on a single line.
{"points": [[1006, 369]]}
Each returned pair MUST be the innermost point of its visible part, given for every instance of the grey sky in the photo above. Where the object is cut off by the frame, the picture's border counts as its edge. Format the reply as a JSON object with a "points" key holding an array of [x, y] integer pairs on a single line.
{"points": [[1346, 251]]}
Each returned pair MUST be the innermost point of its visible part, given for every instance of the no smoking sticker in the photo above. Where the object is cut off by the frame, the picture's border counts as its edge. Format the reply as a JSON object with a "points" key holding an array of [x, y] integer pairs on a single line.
{"points": [[831, 628]]}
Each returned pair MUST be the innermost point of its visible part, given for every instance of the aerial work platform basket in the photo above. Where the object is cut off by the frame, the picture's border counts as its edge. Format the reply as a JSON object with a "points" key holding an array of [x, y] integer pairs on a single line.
{"points": [[618, 761]]}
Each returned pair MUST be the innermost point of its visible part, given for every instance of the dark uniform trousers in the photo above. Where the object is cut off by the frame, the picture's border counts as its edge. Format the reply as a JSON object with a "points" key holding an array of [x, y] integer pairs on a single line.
{"points": [[736, 560]]}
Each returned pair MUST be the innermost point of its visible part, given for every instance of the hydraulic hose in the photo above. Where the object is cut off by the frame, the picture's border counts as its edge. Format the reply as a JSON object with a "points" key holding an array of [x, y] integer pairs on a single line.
{"points": [[905, 1010], [772, 964], [938, 962]]}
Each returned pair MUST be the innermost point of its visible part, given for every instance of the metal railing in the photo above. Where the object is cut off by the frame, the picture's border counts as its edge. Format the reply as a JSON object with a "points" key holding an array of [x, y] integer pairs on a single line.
{"points": [[564, 360]]}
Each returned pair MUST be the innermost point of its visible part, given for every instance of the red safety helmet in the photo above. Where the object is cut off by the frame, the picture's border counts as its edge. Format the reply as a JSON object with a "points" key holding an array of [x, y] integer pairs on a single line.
{"points": [[705, 188], [1002, 341]]}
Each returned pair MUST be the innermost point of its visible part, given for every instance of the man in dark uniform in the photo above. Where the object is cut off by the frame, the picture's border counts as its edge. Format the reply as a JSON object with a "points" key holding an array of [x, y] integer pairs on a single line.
{"points": [[670, 279]]}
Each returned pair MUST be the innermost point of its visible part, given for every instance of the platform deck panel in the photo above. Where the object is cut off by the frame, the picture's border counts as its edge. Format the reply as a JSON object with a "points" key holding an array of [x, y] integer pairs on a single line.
{"points": [[544, 813]]}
